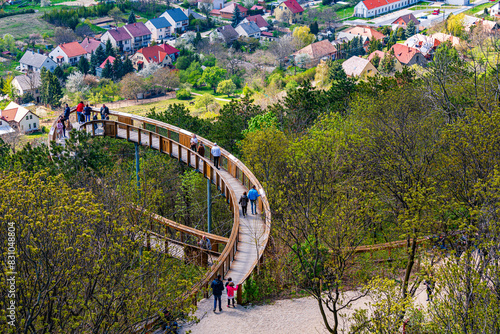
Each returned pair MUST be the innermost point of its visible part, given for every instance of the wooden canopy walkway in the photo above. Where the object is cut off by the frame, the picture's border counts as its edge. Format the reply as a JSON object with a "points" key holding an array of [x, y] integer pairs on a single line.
{"points": [[245, 246]]}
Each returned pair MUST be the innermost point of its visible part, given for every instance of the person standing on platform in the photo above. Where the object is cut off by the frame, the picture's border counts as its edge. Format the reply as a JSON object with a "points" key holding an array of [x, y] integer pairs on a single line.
{"points": [[201, 149], [79, 112], [87, 111], [194, 143], [104, 112], [244, 203], [67, 112], [231, 289], [217, 288], [253, 194], [216, 154]]}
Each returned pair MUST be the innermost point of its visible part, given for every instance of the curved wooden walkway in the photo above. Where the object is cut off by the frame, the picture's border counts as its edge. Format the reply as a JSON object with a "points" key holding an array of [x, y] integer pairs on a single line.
{"points": [[245, 247]]}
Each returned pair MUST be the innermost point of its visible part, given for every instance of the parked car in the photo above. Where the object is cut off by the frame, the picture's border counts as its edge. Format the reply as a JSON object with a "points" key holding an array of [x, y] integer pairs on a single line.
{"points": [[423, 17]]}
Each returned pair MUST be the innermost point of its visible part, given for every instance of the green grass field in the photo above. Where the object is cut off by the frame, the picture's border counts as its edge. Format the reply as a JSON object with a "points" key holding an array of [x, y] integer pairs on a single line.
{"points": [[479, 9], [21, 26]]}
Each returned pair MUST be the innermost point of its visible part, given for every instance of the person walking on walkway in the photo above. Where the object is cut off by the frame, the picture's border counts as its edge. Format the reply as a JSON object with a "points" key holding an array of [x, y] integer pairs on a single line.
{"points": [[79, 111], [231, 289], [216, 154], [60, 128], [194, 143], [87, 111], [201, 149], [244, 203], [429, 284], [253, 194], [217, 288], [67, 112]]}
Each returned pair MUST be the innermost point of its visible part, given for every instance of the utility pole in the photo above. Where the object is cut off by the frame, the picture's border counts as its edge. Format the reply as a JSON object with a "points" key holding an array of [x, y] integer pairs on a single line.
{"points": [[209, 207]]}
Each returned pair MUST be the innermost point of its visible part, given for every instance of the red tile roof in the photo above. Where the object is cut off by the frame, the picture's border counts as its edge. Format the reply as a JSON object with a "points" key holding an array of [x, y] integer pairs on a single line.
{"points": [[259, 21], [379, 53], [155, 53], [319, 49], [294, 6], [267, 33], [110, 59], [256, 7], [404, 53], [365, 31], [169, 49], [9, 115], [90, 44], [371, 4], [73, 49], [230, 9]]}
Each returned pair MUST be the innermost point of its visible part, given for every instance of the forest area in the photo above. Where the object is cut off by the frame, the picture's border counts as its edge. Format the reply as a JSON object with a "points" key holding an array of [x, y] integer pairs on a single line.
{"points": [[355, 163]]}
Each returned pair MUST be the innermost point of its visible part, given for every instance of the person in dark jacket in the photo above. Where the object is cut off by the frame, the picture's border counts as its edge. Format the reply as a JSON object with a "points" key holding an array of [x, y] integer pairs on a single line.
{"points": [[87, 111], [104, 112], [217, 288], [201, 149], [244, 203]]}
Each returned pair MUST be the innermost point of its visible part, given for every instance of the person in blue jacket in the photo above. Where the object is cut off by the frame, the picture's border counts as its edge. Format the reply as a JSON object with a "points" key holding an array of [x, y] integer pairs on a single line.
{"points": [[253, 194]]}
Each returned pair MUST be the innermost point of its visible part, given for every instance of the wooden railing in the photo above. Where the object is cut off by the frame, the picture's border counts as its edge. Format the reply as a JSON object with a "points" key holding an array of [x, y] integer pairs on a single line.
{"points": [[169, 137]]}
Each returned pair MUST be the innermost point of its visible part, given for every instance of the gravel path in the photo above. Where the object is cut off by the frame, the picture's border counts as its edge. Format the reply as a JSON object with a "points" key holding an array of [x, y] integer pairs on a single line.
{"points": [[288, 316]]}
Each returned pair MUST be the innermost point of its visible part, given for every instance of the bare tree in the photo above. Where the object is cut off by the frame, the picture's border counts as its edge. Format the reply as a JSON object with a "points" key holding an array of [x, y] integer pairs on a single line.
{"points": [[166, 79], [64, 35], [282, 48]]}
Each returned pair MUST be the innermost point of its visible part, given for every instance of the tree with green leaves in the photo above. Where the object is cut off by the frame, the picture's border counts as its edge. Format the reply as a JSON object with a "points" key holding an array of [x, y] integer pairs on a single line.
{"points": [[100, 54], [204, 101], [313, 27], [93, 63], [374, 45], [110, 51], [392, 40], [127, 66], [212, 76], [118, 69], [107, 71], [50, 88], [226, 87], [83, 65], [59, 73], [237, 16], [131, 18], [410, 29]]}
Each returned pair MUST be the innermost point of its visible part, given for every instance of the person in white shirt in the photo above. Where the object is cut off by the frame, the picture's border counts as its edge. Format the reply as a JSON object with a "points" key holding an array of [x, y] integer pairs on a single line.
{"points": [[216, 154], [194, 142]]}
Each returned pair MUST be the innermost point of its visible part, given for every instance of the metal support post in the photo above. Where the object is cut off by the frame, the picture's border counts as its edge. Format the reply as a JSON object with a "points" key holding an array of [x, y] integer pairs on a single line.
{"points": [[209, 207]]}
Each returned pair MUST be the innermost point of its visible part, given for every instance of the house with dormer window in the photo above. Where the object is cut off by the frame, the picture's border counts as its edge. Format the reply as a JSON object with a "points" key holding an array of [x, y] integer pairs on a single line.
{"points": [[150, 54]]}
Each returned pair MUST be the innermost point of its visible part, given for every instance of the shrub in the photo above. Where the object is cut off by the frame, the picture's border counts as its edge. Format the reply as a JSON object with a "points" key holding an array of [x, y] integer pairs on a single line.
{"points": [[183, 94]]}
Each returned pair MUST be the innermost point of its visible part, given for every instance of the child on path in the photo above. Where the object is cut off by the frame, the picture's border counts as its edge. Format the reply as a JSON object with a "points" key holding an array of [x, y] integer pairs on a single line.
{"points": [[231, 289], [244, 203]]}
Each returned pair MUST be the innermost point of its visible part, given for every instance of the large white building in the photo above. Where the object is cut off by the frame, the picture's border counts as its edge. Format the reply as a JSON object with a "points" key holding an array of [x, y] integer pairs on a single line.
{"points": [[370, 8]]}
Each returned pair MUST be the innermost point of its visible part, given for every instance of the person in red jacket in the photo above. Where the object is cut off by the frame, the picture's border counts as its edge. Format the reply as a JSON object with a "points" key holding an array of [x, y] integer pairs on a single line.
{"points": [[79, 111], [231, 289]]}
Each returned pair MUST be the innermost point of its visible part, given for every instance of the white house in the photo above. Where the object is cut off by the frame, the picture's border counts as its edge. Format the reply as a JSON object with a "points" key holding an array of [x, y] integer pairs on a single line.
{"points": [[178, 20], [28, 84], [495, 9], [69, 53], [248, 29], [141, 35], [211, 4], [20, 118], [5, 127], [159, 27], [370, 8], [119, 38], [32, 61]]}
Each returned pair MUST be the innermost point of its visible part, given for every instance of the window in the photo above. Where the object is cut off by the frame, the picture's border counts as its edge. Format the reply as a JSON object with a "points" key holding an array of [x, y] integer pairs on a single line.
{"points": [[34, 125], [31, 116], [27, 118], [29, 125]]}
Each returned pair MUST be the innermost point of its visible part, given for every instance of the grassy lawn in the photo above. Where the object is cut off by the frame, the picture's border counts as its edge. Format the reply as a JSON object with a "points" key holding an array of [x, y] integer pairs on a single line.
{"points": [[205, 90], [143, 109], [345, 13], [18, 26], [8, 66], [478, 9]]}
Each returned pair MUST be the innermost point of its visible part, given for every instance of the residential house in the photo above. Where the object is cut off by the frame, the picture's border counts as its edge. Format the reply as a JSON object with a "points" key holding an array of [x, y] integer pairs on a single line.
{"points": [[289, 11], [267, 36], [495, 9], [228, 11], [341, 45], [69, 53], [357, 67], [257, 8], [177, 19], [98, 70], [365, 31], [408, 56], [159, 27], [5, 127], [20, 118], [318, 51], [172, 52], [150, 54], [211, 4], [489, 27], [425, 44], [248, 29], [191, 13], [225, 33], [259, 21], [90, 45], [441, 37], [403, 21], [28, 84], [343, 36], [119, 38], [34, 62], [398, 67], [370, 8], [141, 36]]}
